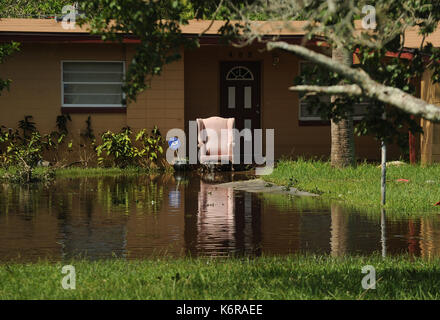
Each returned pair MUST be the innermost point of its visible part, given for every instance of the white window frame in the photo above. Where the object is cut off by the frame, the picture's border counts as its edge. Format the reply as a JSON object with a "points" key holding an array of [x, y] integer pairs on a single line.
{"points": [[300, 117], [88, 105]]}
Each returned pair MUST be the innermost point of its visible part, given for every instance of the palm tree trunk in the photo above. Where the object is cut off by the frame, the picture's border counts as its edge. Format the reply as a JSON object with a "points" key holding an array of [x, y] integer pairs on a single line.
{"points": [[342, 132]]}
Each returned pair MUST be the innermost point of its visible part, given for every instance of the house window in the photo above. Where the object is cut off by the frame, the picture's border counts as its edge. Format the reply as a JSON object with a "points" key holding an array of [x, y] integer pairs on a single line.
{"points": [[310, 113], [92, 84]]}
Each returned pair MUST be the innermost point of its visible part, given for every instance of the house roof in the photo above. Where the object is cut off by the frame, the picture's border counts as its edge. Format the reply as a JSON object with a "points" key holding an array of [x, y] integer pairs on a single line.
{"points": [[294, 29], [193, 27]]}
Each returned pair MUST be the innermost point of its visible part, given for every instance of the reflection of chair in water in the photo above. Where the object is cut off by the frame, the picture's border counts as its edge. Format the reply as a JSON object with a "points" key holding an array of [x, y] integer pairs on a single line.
{"points": [[216, 219], [213, 147]]}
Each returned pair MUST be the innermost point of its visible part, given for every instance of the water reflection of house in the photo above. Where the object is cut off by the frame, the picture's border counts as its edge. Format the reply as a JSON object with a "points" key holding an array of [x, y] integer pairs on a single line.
{"points": [[429, 237], [156, 225], [402, 236], [85, 227], [224, 222], [27, 229], [288, 228], [128, 217], [280, 230]]}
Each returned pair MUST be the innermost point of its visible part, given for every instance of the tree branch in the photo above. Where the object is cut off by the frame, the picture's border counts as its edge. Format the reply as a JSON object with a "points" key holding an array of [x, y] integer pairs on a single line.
{"points": [[213, 19], [351, 89], [370, 88]]}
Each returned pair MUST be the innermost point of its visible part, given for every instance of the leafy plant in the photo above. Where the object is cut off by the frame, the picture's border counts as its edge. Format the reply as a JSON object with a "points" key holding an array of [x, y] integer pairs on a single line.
{"points": [[7, 137], [88, 132], [24, 155], [86, 148], [152, 144], [54, 142], [32, 8], [27, 126], [28, 153], [62, 123], [118, 149]]}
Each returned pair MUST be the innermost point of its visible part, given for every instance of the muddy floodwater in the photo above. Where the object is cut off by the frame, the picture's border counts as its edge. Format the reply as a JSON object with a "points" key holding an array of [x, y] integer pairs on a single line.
{"points": [[138, 217]]}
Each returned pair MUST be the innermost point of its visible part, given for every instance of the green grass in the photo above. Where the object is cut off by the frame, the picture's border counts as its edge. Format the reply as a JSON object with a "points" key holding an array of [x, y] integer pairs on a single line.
{"points": [[359, 187], [291, 277], [89, 172], [98, 172]]}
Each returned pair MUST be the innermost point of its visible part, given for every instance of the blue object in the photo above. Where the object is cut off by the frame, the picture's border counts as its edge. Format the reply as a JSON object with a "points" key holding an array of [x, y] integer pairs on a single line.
{"points": [[174, 143]]}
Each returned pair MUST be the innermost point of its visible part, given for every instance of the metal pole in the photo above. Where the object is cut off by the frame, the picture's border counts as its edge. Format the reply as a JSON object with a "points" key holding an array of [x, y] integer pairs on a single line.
{"points": [[383, 179]]}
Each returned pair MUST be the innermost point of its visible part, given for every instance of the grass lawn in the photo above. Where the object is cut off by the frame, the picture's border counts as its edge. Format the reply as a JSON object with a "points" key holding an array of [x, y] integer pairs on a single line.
{"points": [[291, 277], [360, 187]]}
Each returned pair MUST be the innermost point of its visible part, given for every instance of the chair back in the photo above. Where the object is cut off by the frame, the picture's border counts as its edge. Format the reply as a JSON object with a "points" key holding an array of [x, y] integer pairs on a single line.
{"points": [[218, 146]]}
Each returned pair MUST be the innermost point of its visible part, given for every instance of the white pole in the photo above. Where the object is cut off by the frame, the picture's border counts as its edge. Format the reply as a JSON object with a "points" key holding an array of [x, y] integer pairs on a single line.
{"points": [[383, 179]]}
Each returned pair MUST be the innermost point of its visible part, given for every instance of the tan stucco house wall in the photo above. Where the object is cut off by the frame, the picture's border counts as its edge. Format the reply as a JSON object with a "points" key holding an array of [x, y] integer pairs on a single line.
{"points": [[36, 90]]}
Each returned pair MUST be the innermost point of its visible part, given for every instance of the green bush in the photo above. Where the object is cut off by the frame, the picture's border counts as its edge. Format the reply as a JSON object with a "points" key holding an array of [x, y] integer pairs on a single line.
{"points": [[117, 149], [23, 148], [24, 152], [152, 145]]}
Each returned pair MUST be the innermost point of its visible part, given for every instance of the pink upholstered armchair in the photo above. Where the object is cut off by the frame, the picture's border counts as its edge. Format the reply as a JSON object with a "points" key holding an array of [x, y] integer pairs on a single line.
{"points": [[213, 147]]}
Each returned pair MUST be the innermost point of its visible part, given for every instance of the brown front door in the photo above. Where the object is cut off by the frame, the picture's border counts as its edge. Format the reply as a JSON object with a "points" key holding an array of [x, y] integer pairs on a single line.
{"points": [[240, 93]]}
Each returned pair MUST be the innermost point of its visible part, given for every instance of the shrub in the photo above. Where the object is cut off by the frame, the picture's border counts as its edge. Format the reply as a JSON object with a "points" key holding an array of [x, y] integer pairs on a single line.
{"points": [[86, 148], [6, 137], [152, 145], [118, 148], [27, 126], [55, 142], [23, 153]]}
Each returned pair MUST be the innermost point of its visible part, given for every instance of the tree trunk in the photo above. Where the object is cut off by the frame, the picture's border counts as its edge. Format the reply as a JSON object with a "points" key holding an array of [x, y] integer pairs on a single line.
{"points": [[342, 132]]}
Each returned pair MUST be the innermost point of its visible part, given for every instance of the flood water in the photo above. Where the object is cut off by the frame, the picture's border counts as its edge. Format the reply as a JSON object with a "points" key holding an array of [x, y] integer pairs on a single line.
{"points": [[139, 216]]}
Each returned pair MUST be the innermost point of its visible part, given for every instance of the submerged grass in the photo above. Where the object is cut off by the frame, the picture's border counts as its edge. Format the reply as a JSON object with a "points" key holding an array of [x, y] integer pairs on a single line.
{"points": [[98, 172], [87, 172], [359, 187], [291, 277]]}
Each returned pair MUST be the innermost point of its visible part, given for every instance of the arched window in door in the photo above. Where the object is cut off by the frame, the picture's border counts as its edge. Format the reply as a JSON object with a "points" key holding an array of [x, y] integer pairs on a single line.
{"points": [[239, 73]]}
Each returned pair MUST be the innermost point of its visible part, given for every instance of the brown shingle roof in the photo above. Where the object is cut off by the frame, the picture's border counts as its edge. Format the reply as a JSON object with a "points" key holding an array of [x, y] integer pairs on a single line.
{"points": [[36, 25], [194, 26]]}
